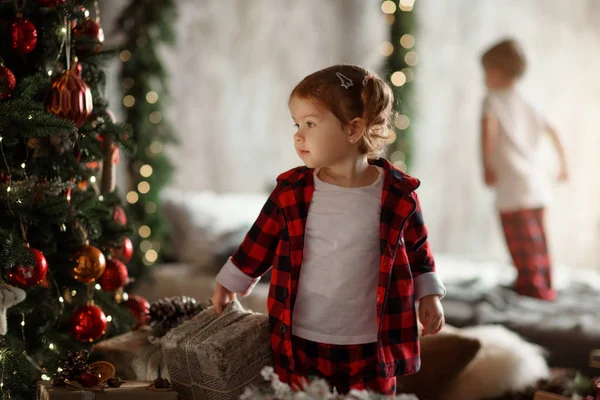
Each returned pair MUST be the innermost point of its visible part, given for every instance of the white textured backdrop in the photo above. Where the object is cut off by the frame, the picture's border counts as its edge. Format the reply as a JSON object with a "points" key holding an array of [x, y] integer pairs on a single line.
{"points": [[232, 70], [562, 41]]}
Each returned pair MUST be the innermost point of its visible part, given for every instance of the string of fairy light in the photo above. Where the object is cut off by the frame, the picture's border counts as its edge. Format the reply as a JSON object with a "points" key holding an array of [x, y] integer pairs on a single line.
{"points": [[402, 59], [149, 248]]}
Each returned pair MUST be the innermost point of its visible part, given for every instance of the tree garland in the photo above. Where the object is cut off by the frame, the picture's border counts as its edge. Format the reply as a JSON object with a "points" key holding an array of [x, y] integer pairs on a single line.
{"points": [[400, 64], [147, 25]]}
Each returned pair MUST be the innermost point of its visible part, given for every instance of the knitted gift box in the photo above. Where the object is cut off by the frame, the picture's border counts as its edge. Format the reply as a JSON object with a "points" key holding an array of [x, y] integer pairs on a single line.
{"points": [[215, 357]]}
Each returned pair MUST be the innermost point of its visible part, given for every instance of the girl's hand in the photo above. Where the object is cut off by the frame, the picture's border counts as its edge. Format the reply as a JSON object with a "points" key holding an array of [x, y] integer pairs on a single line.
{"points": [[221, 297], [489, 176], [431, 314]]}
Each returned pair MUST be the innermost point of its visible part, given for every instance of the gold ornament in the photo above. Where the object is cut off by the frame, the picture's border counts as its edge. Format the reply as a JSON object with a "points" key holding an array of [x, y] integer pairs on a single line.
{"points": [[88, 264]]}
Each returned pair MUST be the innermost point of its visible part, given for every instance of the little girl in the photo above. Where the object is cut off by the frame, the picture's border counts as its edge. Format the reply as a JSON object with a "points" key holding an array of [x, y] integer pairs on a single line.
{"points": [[347, 243]]}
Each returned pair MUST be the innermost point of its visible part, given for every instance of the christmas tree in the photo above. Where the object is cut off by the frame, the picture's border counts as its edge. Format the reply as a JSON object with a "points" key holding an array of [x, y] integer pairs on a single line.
{"points": [[64, 235]]}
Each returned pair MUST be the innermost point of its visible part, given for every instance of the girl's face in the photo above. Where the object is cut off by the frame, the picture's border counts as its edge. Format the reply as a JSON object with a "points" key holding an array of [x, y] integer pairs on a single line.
{"points": [[320, 139]]}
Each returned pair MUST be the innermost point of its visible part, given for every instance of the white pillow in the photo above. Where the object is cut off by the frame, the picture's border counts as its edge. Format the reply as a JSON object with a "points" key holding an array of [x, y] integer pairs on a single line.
{"points": [[200, 220]]}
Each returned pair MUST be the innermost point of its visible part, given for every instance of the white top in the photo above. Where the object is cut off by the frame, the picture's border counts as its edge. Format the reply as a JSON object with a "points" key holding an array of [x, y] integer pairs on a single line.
{"points": [[337, 293], [336, 301], [522, 181]]}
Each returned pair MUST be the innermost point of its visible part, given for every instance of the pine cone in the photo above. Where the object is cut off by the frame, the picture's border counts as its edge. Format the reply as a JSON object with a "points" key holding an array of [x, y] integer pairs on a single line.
{"points": [[170, 312], [75, 364]]}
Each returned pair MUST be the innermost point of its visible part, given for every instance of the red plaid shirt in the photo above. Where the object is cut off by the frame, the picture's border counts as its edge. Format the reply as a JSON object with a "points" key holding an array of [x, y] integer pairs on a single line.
{"points": [[277, 238]]}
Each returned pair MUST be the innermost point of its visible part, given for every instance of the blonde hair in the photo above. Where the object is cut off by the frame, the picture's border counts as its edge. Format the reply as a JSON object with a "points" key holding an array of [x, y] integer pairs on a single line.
{"points": [[506, 55], [368, 97]]}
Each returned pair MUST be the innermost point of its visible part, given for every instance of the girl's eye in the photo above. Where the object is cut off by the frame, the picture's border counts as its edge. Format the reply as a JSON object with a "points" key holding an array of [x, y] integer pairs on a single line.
{"points": [[296, 126], [310, 124]]}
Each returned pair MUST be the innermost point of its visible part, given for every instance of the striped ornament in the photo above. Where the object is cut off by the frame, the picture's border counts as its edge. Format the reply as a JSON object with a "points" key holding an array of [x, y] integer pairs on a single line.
{"points": [[70, 97]]}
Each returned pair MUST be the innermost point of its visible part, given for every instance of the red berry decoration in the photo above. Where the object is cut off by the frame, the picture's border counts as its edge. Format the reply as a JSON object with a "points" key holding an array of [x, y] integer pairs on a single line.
{"points": [[115, 275], [119, 215], [23, 35], [88, 323], [8, 82], [50, 3], [89, 37], [125, 252], [139, 308], [70, 97], [26, 276]]}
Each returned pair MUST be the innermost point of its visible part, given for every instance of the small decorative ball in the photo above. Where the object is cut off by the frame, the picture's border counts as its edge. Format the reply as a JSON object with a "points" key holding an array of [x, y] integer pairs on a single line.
{"points": [[125, 252], [26, 276], [114, 277], [139, 308], [89, 379], [23, 36], [88, 264], [88, 323], [8, 82], [89, 37]]}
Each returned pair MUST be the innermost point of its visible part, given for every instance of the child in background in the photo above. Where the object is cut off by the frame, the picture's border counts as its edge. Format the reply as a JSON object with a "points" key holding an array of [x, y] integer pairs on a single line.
{"points": [[345, 238], [511, 132]]}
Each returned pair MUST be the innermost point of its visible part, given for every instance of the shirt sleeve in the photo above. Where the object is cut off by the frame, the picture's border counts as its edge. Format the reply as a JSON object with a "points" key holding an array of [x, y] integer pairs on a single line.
{"points": [[420, 256], [255, 255]]}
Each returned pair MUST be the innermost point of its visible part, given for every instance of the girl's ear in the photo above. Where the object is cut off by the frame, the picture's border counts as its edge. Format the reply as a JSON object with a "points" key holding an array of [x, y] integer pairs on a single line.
{"points": [[355, 129]]}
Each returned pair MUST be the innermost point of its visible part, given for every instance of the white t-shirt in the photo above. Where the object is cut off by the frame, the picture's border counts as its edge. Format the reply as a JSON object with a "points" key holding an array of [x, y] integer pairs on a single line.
{"points": [[337, 292], [522, 181]]}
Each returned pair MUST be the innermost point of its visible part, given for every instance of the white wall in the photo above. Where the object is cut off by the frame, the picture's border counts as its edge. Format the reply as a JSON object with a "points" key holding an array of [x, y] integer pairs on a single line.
{"points": [[562, 41], [234, 66]]}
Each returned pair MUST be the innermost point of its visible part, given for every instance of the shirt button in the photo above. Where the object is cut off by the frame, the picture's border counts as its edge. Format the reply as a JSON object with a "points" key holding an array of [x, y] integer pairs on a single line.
{"points": [[283, 329]]}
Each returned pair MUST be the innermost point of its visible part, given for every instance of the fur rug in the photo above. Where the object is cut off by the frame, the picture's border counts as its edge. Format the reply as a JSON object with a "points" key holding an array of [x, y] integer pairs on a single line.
{"points": [[505, 363]]}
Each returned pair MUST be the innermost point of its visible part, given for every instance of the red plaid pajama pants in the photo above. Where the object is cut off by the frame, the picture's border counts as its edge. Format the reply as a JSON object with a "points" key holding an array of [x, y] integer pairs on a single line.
{"points": [[526, 239], [345, 367]]}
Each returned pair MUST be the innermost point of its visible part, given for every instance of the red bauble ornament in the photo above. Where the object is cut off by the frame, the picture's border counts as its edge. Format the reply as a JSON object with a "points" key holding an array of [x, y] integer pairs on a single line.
{"points": [[23, 36], [125, 252], [119, 216], [8, 82], [139, 308], [89, 37], [88, 323], [89, 379], [115, 275], [70, 97], [26, 276]]}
